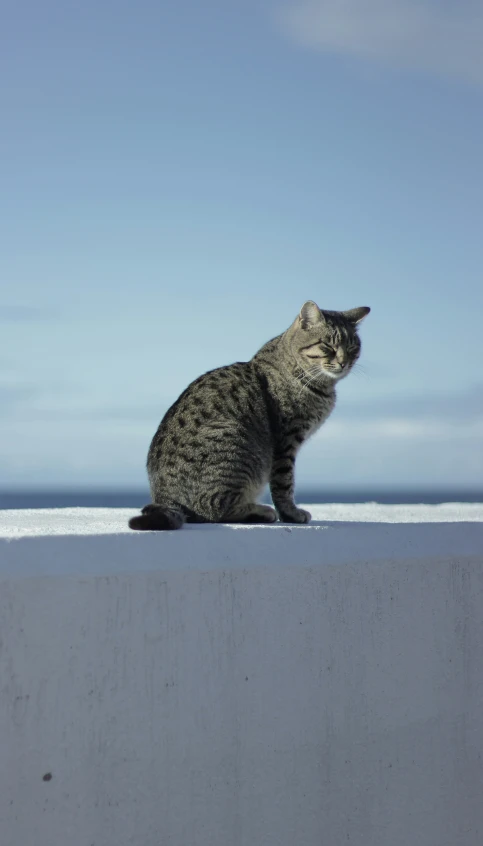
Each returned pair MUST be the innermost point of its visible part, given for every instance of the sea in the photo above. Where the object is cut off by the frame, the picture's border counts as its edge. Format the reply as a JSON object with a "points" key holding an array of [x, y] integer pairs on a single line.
{"points": [[96, 498]]}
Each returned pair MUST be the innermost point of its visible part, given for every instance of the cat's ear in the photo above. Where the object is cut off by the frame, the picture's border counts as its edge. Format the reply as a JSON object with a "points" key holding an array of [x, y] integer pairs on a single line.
{"points": [[310, 314], [356, 315]]}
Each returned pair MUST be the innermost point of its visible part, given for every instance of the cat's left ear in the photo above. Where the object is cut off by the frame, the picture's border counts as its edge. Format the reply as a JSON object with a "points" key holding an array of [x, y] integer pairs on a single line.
{"points": [[356, 315], [310, 314]]}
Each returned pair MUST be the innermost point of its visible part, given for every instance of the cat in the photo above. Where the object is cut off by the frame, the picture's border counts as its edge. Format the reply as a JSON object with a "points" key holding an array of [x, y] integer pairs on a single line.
{"points": [[237, 428]]}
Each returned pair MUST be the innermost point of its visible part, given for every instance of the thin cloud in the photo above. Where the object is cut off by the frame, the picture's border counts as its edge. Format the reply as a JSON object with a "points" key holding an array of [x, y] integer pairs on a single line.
{"points": [[22, 314], [407, 428], [115, 414], [13, 395], [452, 407], [454, 416], [439, 38]]}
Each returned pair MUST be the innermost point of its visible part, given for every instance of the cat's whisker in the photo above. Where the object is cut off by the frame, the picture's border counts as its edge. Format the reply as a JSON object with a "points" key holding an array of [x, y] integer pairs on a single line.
{"points": [[314, 376], [309, 376], [313, 369], [303, 376], [359, 370]]}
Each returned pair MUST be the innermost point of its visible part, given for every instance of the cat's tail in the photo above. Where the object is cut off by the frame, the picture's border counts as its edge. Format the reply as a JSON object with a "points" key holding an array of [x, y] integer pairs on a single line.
{"points": [[157, 518]]}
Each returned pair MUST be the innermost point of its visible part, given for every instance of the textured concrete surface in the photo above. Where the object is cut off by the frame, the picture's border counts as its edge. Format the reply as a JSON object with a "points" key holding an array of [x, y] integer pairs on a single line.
{"points": [[294, 686]]}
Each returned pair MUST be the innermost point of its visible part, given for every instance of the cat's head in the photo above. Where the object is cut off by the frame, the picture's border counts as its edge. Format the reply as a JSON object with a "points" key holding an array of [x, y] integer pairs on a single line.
{"points": [[327, 341]]}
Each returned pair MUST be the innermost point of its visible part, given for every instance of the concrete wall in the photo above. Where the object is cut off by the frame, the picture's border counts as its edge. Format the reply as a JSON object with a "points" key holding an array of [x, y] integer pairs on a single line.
{"points": [[258, 688]]}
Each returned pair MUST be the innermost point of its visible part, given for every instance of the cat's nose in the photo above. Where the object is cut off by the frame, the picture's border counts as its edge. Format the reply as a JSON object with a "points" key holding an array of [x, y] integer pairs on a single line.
{"points": [[341, 360]]}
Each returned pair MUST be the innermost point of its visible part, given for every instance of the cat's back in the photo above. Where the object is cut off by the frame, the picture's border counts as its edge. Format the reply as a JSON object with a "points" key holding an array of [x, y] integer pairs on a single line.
{"points": [[228, 396]]}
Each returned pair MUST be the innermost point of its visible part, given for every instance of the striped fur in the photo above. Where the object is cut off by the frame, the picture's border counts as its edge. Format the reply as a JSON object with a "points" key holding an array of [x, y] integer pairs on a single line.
{"points": [[237, 428]]}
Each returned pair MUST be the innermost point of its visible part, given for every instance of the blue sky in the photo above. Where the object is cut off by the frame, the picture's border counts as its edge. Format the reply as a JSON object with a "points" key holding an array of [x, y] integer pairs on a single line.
{"points": [[177, 178]]}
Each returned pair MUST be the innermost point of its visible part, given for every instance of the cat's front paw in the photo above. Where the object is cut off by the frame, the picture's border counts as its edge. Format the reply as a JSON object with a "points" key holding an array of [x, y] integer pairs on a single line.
{"points": [[295, 515]]}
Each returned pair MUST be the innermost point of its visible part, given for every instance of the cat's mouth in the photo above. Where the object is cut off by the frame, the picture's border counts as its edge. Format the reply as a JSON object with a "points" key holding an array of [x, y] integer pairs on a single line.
{"points": [[337, 371]]}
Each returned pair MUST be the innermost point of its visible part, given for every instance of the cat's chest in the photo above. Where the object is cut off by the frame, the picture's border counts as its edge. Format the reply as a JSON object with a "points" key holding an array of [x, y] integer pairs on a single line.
{"points": [[305, 418]]}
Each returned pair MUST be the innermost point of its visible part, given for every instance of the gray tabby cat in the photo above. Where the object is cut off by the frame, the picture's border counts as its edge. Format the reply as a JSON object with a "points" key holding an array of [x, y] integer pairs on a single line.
{"points": [[238, 427]]}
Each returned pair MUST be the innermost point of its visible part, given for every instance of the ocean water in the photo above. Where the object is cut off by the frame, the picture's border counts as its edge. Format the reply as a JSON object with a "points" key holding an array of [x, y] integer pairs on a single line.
{"points": [[137, 498]]}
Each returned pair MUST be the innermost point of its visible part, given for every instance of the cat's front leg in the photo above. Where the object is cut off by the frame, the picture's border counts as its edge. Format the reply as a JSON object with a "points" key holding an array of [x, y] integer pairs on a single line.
{"points": [[282, 490]]}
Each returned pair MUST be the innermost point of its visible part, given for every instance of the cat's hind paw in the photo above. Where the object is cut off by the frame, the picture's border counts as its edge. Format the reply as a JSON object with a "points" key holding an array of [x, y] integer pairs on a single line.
{"points": [[261, 514]]}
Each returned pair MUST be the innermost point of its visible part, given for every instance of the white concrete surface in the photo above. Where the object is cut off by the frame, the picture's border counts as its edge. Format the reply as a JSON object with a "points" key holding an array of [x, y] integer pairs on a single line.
{"points": [[264, 686], [102, 521]]}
